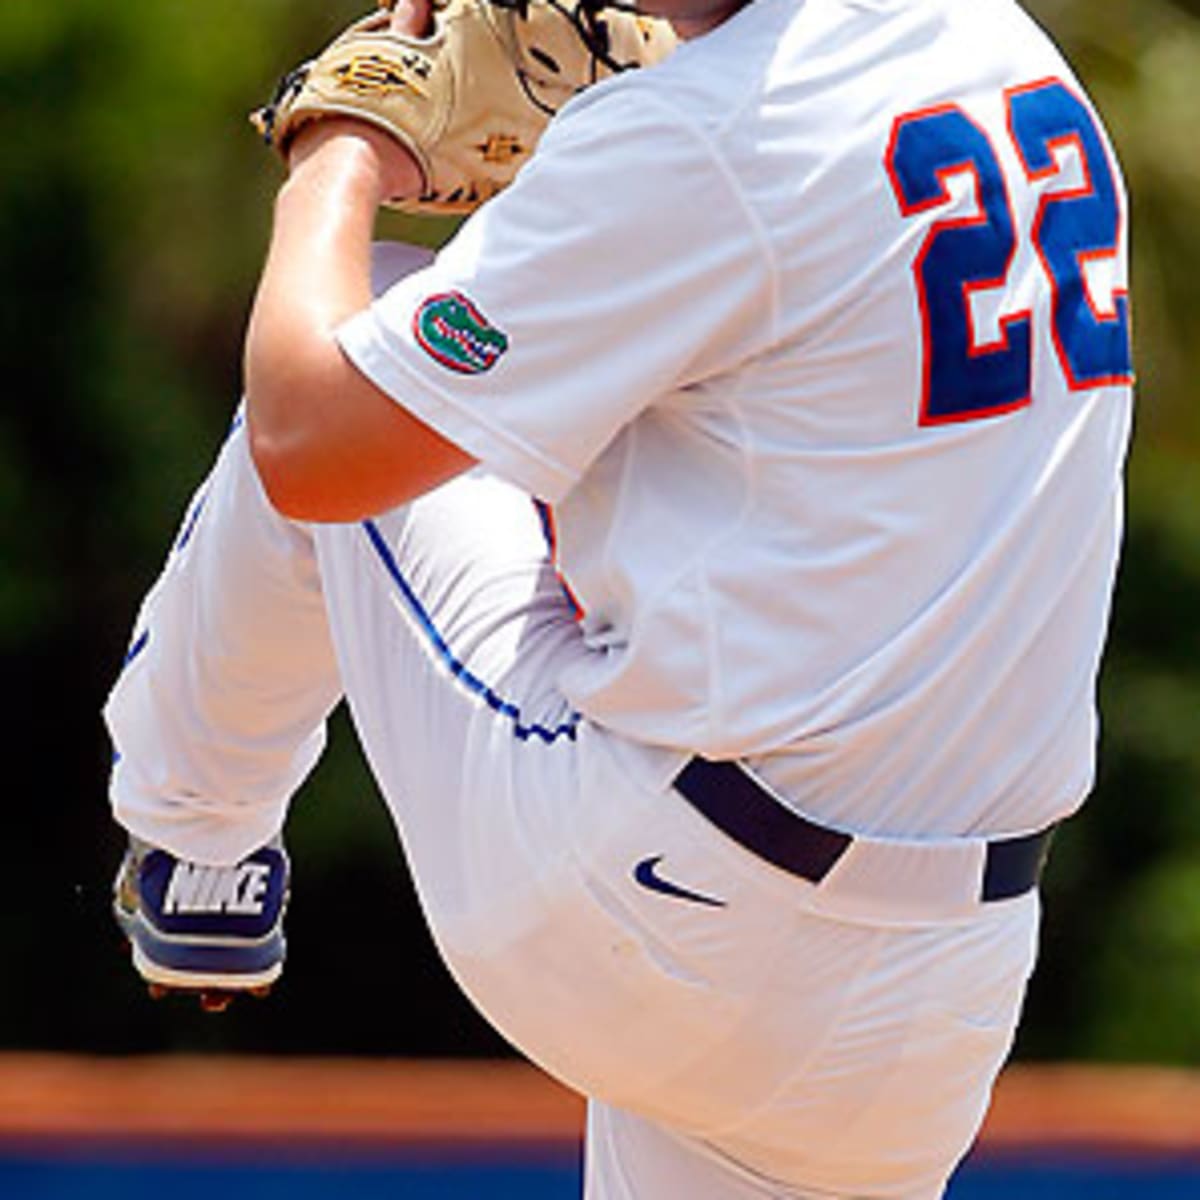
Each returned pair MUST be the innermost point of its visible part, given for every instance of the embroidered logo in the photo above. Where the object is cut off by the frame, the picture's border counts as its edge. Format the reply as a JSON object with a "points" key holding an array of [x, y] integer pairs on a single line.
{"points": [[376, 74], [450, 329]]}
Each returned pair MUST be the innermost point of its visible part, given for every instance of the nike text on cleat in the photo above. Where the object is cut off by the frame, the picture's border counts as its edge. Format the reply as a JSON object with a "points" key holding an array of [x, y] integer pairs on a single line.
{"points": [[646, 873], [204, 929], [194, 888]]}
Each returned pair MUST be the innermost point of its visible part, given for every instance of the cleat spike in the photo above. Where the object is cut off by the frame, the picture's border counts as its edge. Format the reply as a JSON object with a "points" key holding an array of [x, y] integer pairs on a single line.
{"points": [[260, 993], [157, 990], [215, 1002]]}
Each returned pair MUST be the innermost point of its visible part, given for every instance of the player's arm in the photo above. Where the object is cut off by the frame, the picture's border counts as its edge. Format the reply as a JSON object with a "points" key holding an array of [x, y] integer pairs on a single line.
{"points": [[328, 444]]}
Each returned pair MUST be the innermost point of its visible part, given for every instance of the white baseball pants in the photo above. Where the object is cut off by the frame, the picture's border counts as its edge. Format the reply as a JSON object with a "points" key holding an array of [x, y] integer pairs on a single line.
{"points": [[793, 1040]]}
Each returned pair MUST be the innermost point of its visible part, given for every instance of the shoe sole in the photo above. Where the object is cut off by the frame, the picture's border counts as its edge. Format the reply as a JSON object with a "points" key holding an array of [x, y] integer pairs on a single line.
{"points": [[153, 972], [200, 964]]}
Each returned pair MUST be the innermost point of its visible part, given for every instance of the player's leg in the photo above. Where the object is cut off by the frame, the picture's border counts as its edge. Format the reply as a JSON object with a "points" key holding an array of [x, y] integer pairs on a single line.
{"points": [[763, 1039], [631, 1158], [451, 629], [219, 711], [876, 1092], [216, 718], [453, 633]]}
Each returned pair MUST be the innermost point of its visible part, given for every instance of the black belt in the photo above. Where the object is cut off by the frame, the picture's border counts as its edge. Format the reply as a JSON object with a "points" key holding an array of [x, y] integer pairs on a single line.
{"points": [[745, 811]]}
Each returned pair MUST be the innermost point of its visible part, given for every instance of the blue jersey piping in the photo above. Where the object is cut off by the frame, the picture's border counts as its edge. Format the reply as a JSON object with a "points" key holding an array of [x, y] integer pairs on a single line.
{"points": [[506, 708]]}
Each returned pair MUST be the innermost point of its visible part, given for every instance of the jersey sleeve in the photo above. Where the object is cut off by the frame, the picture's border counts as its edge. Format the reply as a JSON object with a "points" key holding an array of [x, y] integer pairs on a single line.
{"points": [[620, 266]]}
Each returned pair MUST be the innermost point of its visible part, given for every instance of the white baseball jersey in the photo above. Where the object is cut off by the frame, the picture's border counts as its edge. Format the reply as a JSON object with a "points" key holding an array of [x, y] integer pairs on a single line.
{"points": [[816, 341]]}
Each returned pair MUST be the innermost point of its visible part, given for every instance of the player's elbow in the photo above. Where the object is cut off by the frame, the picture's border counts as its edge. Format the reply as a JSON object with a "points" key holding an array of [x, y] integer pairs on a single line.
{"points": [[281, 472], [302, 483], [329, 446], [291, 464], [295, 451]]}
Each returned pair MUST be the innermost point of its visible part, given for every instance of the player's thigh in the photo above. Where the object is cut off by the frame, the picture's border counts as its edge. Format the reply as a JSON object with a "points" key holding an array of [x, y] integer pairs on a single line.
{"points": [[690, 1008], [451, 629]]}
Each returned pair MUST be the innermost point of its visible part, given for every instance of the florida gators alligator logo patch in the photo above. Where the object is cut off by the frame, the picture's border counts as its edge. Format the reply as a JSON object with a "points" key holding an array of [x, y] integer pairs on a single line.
{"points": [[450, 329]]}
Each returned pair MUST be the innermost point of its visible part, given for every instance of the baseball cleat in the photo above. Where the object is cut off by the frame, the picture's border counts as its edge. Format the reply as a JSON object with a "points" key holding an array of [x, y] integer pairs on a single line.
{"points": [[210, 931]]}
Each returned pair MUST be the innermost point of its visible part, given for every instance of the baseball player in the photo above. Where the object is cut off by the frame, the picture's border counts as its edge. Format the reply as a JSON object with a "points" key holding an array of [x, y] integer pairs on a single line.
{"points": [[714, 544]]}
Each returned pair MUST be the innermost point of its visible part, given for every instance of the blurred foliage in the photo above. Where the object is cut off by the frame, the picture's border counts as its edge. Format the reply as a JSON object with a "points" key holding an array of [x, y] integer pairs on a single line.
{"points": [[134, 207]]}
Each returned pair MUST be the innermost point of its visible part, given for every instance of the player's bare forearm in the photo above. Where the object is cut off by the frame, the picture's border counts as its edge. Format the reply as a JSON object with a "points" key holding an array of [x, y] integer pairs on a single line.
{"points": [[317, 268], [329, 446]]}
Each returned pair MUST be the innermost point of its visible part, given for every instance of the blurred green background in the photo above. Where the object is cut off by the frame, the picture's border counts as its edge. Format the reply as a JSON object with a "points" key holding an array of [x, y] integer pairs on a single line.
{"points": [[134, 207]]}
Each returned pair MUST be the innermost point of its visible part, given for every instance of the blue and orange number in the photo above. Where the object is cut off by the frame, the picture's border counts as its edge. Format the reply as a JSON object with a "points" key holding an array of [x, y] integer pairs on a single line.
{"points": [[1077, 228]]}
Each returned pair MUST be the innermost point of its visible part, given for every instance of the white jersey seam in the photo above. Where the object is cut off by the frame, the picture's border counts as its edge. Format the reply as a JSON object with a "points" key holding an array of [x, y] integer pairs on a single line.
{"points": [[755, 225], [733, 405]]}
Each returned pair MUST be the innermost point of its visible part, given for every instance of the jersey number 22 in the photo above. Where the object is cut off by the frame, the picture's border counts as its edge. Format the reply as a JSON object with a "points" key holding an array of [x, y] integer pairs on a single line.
{"points": [[1076, 227]]}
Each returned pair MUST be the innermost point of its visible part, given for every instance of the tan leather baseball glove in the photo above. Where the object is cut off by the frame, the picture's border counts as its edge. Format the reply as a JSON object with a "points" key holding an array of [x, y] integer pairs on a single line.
{"points": [[471, 98]]}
